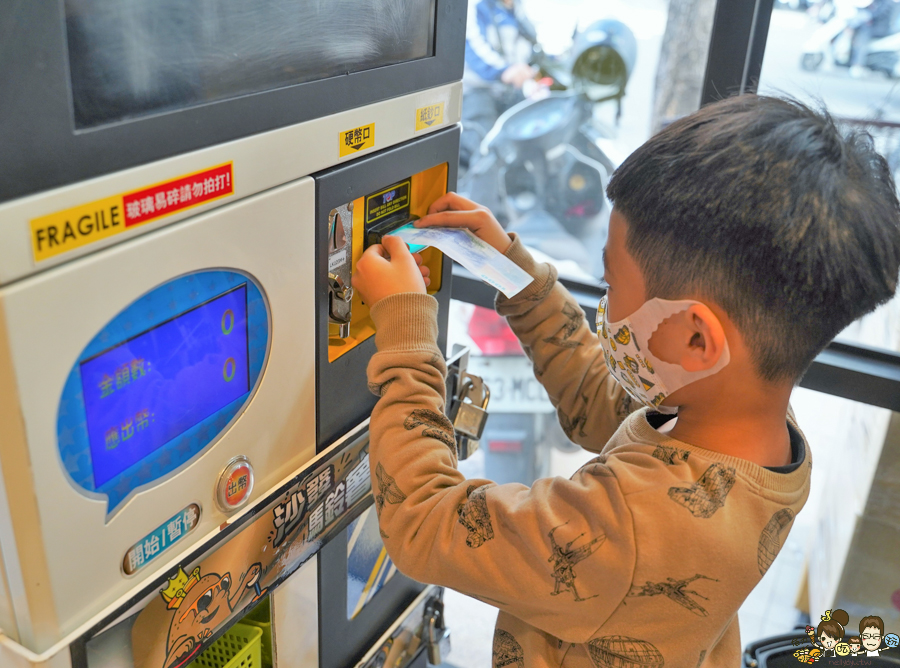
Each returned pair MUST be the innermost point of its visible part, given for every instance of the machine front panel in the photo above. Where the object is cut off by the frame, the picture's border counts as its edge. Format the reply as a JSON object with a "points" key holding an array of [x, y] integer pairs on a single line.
{"points": [[92, 88], [60, 225], [139, 405], [196, 302], [185, 190], [355, 205]]}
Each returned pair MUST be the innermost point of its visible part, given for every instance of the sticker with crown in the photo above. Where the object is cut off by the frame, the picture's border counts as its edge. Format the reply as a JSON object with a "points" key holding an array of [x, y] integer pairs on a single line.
{"points": [[204, 596]]}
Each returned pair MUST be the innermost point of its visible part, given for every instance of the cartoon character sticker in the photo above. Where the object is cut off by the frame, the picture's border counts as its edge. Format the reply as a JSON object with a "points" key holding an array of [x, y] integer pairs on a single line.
{"points": [[192, 607], [200, 604], [828, 638]]}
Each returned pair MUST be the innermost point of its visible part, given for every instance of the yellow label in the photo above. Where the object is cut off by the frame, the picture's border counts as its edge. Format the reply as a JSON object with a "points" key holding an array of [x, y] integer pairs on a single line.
{"points": [[427, 117], [70, 229], [356, 140], [66, 230]]}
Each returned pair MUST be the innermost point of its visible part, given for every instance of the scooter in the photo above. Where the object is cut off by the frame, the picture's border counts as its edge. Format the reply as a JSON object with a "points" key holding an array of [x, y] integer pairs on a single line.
{"points": [[835, 41], [542, 169]]}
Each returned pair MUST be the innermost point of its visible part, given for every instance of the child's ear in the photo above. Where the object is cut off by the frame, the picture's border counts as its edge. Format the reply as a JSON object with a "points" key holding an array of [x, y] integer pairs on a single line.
{"points": [[707, 339]]}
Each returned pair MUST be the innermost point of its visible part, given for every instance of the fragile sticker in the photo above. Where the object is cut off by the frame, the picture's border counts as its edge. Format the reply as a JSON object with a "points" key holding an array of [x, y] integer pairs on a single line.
{"points": [[78, 226], [356, 140], [427, 117]]}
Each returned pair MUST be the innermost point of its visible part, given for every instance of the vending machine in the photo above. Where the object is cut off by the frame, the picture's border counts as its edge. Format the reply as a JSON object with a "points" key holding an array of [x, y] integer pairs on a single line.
{"points": [[185, 189]]}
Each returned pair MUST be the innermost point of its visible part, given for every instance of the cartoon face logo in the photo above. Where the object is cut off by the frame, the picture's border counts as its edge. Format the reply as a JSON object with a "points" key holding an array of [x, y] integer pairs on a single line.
{"points": [[632, 364], [871, 638], [199, 605], [827, 641], [623, 336], [842, 649]]}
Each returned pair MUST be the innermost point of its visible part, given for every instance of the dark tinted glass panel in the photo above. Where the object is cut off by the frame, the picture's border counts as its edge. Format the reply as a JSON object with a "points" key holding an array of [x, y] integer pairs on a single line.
{"points": [[129, 58]]}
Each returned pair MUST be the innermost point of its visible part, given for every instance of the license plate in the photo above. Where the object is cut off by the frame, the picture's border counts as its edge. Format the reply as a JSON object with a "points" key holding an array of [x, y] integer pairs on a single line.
{"points": [[514, 389]]}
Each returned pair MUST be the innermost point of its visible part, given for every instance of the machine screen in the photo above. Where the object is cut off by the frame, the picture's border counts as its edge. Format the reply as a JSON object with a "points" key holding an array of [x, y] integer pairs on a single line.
{"points": [[130, 58], [144, 392]]}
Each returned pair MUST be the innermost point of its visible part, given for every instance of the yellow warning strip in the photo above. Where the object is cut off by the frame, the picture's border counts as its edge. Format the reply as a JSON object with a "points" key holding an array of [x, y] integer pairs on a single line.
{"points": [[372, 579]]}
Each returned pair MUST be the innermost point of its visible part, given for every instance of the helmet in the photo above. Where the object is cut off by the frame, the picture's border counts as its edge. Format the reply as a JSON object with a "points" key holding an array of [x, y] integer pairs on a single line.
{"points": [[603, 57]]}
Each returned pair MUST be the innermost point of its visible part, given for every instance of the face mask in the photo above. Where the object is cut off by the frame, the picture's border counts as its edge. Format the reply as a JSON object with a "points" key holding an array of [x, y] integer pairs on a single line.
{"points": [[625, 346]]}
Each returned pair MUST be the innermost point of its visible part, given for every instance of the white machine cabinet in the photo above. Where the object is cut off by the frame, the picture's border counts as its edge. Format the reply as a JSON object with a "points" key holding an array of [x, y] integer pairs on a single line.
{"points": [[170, 355]]}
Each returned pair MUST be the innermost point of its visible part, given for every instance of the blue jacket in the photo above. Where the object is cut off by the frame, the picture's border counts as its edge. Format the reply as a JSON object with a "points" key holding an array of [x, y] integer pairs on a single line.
{"points": [[495, 39]]}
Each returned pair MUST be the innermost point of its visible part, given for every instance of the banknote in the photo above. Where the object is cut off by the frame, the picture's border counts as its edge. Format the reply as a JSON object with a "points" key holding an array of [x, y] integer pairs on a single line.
{"points": [[480, 258]]}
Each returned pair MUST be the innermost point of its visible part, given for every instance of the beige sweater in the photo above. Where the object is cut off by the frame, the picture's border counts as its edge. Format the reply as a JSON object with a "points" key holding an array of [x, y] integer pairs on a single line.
{"points": [[639, 560]]}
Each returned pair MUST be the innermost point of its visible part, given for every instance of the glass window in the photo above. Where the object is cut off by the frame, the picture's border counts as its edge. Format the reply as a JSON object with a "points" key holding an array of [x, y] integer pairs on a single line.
{"points": [[556, 94], [134, 57], [842, 54], [522, 439]]}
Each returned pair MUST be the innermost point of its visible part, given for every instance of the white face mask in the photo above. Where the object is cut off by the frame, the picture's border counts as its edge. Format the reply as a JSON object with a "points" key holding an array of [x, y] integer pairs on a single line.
{"points": [[625, 346]]}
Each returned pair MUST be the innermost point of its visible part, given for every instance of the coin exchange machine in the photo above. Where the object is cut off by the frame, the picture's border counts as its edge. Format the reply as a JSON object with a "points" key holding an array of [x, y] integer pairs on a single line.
{"points": [[185, 189]]}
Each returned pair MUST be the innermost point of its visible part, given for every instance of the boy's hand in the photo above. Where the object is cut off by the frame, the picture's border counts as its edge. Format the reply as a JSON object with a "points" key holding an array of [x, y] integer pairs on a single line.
{"points": [[452, 210], [388, 269]]}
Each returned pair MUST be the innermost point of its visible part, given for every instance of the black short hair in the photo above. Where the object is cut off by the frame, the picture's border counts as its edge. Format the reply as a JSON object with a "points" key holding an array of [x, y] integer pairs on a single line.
{"points": [[764, 206]]}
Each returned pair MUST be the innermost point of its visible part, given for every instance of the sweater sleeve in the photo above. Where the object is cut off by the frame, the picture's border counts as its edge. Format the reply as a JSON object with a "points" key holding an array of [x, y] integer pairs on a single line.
{"points": [[558, 555], [566, 354]]}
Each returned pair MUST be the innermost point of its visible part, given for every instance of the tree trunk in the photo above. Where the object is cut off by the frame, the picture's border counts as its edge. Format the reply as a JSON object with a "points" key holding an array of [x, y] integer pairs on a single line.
{"points": [[682, 60]]}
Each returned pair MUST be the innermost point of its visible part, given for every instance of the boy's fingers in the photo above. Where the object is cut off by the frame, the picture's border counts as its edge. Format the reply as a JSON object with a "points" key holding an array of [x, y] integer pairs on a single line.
{"points": [[452, 201], [396, 248], [468, 219], [373, 253], [418, 258]]}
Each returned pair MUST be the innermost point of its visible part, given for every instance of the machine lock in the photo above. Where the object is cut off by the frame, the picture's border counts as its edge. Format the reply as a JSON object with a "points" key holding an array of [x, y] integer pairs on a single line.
{"points": [[468, 412], [340, 246], [339, 297], [437, 636]]}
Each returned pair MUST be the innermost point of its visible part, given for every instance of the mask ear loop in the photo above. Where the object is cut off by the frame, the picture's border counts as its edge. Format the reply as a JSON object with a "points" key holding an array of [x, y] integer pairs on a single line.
{"points": [[670, 377], [653, 313]]}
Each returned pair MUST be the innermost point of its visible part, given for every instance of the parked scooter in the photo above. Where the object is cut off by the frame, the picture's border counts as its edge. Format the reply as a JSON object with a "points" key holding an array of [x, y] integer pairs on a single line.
{"points": [[541, 168], [838, 40], [543, 173]]}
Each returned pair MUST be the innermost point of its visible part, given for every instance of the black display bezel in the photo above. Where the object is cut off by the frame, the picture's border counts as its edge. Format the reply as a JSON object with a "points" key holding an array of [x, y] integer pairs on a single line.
{"points": [[42, 149]]}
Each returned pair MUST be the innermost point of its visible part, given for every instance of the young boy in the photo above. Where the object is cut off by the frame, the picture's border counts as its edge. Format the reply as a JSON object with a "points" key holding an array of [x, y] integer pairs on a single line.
{"points": [[743, 238]]}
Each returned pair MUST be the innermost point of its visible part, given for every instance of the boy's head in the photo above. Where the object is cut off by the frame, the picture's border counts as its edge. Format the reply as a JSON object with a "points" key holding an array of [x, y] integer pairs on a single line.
{"points": [[871, 631], [763, 207]]}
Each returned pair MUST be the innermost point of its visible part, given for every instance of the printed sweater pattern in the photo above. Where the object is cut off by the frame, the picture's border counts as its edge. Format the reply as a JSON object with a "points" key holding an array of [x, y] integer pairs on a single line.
{"points": [[640, 560]]}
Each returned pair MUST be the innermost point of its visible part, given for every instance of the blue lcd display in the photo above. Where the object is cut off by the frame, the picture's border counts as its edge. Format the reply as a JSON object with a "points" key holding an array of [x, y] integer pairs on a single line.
{"points": [[153, 387]]}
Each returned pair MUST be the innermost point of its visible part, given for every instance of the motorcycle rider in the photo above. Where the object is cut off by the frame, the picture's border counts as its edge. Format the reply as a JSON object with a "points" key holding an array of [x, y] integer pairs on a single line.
{"points": [[874, 20], [499, 43]]}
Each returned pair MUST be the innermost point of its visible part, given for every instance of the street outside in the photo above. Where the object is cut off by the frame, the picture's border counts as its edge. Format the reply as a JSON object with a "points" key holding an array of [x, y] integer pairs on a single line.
{"points": [[770, 608], [872, 95]]}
